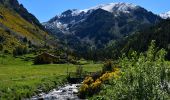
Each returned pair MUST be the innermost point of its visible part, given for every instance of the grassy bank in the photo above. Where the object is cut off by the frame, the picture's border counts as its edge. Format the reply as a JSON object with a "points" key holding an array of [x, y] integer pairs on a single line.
{"points": [[19, 78]]}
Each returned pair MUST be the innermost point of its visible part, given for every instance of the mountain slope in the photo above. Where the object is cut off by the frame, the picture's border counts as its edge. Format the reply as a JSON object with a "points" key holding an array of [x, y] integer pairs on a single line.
{"points": [[20, 24], [140, 41], [105, 26], [19, 8]]}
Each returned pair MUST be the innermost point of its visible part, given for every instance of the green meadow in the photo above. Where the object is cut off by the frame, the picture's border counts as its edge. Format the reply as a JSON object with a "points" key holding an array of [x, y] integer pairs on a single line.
{"points": [[19, 78]]}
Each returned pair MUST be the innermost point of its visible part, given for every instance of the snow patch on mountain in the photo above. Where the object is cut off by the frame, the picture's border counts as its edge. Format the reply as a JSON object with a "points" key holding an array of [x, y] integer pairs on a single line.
{"points": [[111, 7], [75, 16], [165, 15], [76, 12]]}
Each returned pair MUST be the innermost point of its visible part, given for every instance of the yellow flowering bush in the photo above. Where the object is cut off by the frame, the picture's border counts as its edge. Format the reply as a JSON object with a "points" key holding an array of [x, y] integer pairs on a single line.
{"points": [[105, 77], [88, 80], [91, 86], [116, 73], [96, 85], [83, 91], [84, 88], [116, 69]]}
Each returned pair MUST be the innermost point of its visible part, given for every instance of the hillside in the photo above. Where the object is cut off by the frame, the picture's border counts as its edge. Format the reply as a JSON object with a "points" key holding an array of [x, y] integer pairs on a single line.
{"points": [[140, 41], [17, 24]]}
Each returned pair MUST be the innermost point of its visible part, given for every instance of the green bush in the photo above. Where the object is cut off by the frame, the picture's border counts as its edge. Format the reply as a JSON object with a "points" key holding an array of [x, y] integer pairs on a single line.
{"points": [[6, 51], [43, 60], [1, 47], [20, 50], [144, 77], [108, 66]]}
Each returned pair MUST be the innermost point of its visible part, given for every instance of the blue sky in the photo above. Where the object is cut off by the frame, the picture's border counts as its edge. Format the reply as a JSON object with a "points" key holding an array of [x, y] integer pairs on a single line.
{"points": [[46, 9]]}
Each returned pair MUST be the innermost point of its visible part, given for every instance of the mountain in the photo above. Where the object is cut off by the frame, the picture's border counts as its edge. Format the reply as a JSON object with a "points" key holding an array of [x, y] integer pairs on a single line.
{"points": [[165, 15], [99, 26], [71, 17], [140, 41], [18, 25], [60, 24]]}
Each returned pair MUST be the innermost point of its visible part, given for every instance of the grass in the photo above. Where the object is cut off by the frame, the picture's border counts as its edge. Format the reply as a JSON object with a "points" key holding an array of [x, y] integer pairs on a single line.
{"points": [[21, 79]]}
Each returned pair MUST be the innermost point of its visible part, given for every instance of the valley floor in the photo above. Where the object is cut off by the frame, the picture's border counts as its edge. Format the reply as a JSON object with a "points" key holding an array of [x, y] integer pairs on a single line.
{"points": [[19, 78]]}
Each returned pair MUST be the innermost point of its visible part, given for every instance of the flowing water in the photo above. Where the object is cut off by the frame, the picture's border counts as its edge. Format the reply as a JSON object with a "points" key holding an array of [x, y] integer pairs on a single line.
{"points": [[67, 92]]}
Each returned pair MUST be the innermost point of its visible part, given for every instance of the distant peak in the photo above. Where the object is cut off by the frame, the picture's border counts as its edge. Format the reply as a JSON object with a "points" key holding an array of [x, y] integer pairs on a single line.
{"points": [[165, 15], [110, 7], [71, 12], [75, 15]]}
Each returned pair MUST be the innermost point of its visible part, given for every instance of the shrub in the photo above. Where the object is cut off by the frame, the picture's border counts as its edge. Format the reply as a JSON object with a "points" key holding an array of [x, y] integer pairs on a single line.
{"points": [[96, 86], [59, 61], [1, 47], [83, 91], [88, 80], [20, 50], [43, 60], [84, 88], [91, 86], [72, 60], [145, 77], [108, 66], [6, 51], [105, 77], [96, 75], [25, 40]]}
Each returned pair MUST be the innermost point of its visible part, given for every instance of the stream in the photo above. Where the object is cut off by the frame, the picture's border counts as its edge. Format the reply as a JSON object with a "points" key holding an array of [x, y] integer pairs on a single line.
{"points": [[67, 92]]}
